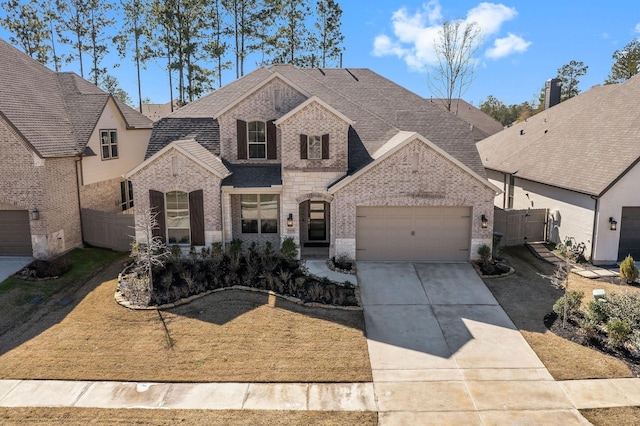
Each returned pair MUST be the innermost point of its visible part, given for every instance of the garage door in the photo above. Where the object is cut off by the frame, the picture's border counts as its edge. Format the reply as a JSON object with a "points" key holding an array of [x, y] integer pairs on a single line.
{"points": [[629, 233], [15, 234], [413, 233]]}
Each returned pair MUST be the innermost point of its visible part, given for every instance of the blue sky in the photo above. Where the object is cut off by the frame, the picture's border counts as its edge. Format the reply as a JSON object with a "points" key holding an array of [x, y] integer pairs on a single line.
{"points": [[525, 42]]}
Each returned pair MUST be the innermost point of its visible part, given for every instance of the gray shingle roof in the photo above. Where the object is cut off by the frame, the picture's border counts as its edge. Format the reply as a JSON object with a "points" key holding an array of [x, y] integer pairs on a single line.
{"points": [[483, 124], [379, 107], [55, 112], [583, 144], [253, 176], [204, 130]]}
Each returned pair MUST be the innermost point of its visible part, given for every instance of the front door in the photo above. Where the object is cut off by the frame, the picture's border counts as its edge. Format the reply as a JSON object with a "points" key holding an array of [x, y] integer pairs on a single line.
{"points": [[317, 221]]}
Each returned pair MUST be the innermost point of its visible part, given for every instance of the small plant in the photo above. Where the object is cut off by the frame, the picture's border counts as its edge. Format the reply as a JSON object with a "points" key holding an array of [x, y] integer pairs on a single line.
{"points": [[289, 250], [596, 312], [628, 269], [484, 251], [619, 331], [235, 247], [569, 303]]}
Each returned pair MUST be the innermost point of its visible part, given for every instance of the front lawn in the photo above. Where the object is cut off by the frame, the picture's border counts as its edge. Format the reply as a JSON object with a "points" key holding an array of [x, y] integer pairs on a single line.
{"points": [[527, 298], [232, 336]]}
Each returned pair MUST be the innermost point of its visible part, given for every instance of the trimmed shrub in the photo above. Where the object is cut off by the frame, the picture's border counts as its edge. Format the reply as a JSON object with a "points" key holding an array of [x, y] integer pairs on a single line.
{"points": [[628, 269], [618, 331], [485, 253], [625, 306], [289, 250], [597, 312], [574, 298]]}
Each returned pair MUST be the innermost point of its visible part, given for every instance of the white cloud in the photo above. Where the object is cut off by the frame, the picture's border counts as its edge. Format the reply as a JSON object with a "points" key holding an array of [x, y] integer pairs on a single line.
{"points": [[491, 16], [506, 46], [637, 28], [414, 35]]}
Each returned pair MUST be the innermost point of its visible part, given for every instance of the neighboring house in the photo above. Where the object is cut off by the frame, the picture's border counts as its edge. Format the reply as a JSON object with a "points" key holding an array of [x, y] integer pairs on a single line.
{"points": [[579, 159], [482, 125], [65, 146], [156, 112], [337, 158]]}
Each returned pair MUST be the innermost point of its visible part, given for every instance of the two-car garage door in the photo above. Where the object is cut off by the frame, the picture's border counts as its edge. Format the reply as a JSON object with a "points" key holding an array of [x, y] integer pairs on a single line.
{"points": [[413, 233], [15, 234]]}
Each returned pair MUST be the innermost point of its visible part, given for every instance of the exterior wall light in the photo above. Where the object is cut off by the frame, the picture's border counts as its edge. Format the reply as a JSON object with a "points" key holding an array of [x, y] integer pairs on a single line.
{"points": [[613, 224], [290, 220], [485, 222], [35, 214]]}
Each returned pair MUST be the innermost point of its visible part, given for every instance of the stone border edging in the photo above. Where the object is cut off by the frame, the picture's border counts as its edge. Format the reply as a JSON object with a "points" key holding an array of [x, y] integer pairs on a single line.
{"points": [[478, 270], [125, 303]]}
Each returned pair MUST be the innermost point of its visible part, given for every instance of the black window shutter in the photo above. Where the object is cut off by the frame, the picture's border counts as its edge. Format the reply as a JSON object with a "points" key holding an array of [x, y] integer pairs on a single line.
{"points": [[303, 147], [272, 145], [242, 139], [325, 146], [156, 202], [196, 217]]}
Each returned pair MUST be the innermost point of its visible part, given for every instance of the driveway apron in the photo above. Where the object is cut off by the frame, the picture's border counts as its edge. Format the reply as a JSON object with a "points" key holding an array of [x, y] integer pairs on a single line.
{"points": [[9, 265], [443, 351]]}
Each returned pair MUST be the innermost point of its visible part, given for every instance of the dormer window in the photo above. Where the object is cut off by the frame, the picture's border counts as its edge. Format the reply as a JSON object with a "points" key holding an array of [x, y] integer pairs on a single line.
{"points": [[257, 139], [314, 147]]}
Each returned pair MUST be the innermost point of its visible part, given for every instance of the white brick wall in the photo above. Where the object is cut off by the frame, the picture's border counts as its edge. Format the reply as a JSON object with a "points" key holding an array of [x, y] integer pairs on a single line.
{"points": [[395, 181]]}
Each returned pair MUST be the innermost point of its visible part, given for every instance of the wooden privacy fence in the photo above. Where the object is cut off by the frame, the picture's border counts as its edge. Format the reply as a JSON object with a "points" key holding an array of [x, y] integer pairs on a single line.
{"points": [[520, 226], [108, 230]]}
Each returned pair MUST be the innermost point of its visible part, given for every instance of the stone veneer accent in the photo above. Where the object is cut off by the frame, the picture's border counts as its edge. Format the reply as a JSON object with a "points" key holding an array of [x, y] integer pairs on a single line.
{"points": [[28, 181], [261, 106], [158, 176], [416, 175]]}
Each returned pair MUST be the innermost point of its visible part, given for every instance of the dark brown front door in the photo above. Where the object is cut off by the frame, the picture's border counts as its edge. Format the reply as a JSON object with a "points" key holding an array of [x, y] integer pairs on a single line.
{"points": [[317, 221]]}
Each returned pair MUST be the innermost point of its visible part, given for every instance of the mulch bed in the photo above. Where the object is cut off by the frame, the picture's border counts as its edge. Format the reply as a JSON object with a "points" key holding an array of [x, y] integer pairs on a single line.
{"points": [[598, 342]]}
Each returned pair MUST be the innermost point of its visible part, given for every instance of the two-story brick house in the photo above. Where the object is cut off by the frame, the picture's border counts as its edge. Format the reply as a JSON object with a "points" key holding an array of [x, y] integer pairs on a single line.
{"points": [[341, 158], [64, 145]]}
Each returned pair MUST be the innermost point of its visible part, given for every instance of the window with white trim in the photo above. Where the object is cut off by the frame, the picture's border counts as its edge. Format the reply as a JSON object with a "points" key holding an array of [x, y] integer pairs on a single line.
{"points": [[257, 139], [177, 211], [259, 213], [314, 147], [109, 144]]}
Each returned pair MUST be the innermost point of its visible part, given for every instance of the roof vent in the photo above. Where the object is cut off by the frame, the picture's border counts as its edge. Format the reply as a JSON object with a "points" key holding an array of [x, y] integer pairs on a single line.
{"points": [[521, 132]]}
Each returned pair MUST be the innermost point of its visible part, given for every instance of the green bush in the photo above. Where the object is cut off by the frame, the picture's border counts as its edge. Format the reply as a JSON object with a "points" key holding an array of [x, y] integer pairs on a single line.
{"points": [[574, 298], [625, 306], [597, 312], [618, 330], [485, 253], [289, 249], [628, 269]]}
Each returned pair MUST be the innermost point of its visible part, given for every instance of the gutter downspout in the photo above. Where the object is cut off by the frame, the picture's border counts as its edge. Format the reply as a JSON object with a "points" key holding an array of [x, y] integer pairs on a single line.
{"points": [[224, 246], [594, 234], [78, 183]]}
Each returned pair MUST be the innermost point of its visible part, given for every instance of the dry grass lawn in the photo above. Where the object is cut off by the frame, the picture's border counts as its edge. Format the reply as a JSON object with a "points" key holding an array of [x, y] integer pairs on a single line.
{"points": [[618, 416], [85, 416], [527, 298], [232, 336]]}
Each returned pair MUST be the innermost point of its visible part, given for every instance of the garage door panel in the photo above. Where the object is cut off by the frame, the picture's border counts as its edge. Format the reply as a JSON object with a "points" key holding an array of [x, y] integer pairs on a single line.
{"points": [[15, 233], [413, 233]]}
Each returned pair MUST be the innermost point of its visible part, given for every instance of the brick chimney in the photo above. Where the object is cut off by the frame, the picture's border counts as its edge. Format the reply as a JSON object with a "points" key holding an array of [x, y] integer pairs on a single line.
{"points": [[552, 89]]}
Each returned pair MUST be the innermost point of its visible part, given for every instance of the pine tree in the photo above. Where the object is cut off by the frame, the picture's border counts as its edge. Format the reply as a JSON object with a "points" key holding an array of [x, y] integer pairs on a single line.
{"points": [[330, 37], [570, 75], [28, 25], [293, 41], [627, 63]]}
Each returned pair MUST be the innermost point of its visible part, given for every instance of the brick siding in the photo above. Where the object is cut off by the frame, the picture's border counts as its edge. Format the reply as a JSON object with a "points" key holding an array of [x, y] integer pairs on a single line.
{"points": [[102, 196]]}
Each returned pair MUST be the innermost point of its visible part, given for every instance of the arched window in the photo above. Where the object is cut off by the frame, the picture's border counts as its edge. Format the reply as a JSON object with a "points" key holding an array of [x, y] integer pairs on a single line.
{"points": [[177, 211]]}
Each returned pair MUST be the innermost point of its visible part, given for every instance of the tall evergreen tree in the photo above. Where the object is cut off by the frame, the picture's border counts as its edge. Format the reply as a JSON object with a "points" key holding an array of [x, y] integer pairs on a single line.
{"points": [[330, 37], [293, 42], [134, 35], [569, 74], [627, 63], [98, 42], [28, 25], [111, 84], [217, 47]]}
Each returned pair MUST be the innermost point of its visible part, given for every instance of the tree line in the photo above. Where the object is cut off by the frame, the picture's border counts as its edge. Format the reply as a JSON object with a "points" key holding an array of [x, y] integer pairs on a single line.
{"points": [[626, 64], [196, 39]]}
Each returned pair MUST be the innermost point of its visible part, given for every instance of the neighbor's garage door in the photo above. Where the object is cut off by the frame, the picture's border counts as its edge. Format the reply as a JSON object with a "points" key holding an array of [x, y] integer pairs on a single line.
{"points": [[413, 233], [15, 234], [629, 233]]}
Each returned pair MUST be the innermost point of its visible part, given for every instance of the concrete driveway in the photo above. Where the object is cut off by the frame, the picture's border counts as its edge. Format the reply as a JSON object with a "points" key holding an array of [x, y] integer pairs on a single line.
{"points": [[9, 265], [442, 350]]}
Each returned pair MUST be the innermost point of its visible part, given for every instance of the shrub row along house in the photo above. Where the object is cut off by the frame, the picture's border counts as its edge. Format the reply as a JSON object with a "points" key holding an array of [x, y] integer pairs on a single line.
{"points": [[65, 145], [581, 160], [336, 158]]}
